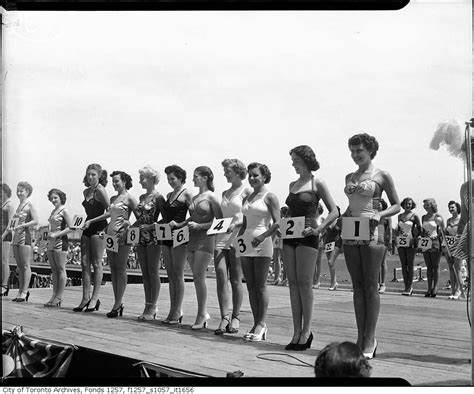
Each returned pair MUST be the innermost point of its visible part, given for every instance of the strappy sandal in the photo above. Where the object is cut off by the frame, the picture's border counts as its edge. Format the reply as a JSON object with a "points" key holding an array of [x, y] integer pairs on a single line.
{"points": [[220, 330], [230, 328]]}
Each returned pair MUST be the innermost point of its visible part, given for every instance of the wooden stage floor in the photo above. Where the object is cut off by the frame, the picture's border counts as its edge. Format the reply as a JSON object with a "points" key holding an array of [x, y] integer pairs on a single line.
{"points": [[425, 341]]}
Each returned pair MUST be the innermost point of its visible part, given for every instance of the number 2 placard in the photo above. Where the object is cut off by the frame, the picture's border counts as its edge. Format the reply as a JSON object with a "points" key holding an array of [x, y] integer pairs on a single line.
{"points": [[133, 235], [78, 221], [111, 243], [180, 236], [219, 226], [292, 227], [355, 228]]}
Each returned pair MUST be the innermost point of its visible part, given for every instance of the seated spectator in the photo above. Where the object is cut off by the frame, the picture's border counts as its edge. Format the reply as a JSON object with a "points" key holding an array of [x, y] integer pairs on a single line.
{"points": [[344, 360]]}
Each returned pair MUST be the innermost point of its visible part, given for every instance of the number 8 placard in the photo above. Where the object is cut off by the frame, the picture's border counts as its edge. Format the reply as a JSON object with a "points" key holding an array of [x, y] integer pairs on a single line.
{"points": [[133, 235], [355, 228], [292, 227], [180, 236], [111, 243]]}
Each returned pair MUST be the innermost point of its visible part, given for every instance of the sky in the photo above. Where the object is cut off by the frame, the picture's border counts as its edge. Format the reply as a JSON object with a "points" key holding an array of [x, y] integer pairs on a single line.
{"points": [[126, 89]]}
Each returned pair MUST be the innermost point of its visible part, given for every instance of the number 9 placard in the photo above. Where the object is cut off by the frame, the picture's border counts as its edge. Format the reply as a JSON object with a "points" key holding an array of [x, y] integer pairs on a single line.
{"points": [[78, 221], [292, 227], [219, 226], [180, 236], [133, 235], [355, 228], [111, 243]]}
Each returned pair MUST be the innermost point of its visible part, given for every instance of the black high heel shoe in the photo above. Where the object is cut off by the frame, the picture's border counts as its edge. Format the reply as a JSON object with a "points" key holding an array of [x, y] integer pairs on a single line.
{"points": [[7, 289], [81, 308], [221, 330], [116, 312], [174, 322], [95, 308], [20, 299], [304, 346]]}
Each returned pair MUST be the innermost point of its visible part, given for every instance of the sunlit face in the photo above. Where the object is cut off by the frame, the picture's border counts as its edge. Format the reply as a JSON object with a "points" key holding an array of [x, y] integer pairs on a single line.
{"points": [[427, 206], [408, 205], [360, 154], [92, 177], [55, 199], [22, 193], [173, 181], [145, 181], [298, 163], [118, 183], [256, 178], [230, 175], [453, 210], [198, 179]]}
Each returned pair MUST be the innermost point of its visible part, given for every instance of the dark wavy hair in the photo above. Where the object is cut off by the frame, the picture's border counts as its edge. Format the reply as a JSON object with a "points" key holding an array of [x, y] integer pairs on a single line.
{"points": [[369, 142], [6, 189], [100, 171], [207, 172], [177, 171], [340, 360], [237, 166], [124, 177], [60, 193], [383, 203], [408, 199], [25, 185], [264, 170], [458, 206], [307, 155]]}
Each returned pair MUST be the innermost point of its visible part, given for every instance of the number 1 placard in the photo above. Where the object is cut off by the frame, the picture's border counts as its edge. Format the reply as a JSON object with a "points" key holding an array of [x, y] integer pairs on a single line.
{"points": [[78, 221], [292, 227], [133, 235], [355, 228], [111, 243], [180, 236], [219, 226]]}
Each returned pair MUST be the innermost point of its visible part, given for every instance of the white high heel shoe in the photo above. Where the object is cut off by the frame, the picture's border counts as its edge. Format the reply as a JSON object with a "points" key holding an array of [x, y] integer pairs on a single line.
{"points": [[202, 325]]}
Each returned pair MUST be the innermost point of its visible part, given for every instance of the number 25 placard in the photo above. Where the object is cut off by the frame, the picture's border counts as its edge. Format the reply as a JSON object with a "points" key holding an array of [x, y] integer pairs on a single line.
{"points": [[292, 227], [355, 228]]}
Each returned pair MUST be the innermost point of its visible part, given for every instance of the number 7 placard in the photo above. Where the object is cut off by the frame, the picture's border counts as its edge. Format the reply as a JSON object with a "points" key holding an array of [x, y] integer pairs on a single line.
{"points": [[292, 227], [219, 226], [163, 232]]}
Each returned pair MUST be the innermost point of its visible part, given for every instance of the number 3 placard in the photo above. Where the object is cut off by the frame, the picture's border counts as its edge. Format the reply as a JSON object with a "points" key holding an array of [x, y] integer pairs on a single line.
{"points": [[355, 228], [292, 227], [180, 236], [243, 245], [133, 235], [111, 243], [219, 226]]}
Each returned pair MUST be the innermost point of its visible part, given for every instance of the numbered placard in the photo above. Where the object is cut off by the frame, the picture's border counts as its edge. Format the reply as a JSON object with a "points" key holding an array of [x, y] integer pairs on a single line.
{"points": [[277, 243], [292, 227], [355, 228], [13, 223], [133, 235], [403, 242], [329, 247], [163, 232], [78, 221], [44, 234], [425, 243], [219, 226], [180, 236], [451, 240], [111, 243], [243, 245]]}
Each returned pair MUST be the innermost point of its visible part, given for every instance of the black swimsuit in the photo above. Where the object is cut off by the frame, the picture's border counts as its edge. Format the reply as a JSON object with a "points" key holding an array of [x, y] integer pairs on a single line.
{"points": [[176, 211], [93, 209]]}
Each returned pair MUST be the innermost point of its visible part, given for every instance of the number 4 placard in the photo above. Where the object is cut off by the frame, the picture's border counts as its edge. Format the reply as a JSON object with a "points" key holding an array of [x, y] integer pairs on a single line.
{"points": [[111, 243], [180, 236], [78, 221], [133, 235], [219, 226], [292, 227]]}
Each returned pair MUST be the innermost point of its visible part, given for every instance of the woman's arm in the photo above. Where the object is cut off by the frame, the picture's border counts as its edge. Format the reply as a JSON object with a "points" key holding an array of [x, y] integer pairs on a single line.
{"points": [[333, 214], [34, 218], [216, 210], [389, 188], [188, 199], [102, 196], [10, 213], [66, 230], [274, 208], [464, 209]]}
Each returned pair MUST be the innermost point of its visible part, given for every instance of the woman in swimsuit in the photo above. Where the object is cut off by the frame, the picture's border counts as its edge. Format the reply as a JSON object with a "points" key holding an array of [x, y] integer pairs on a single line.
{"points": [[432, 225], [174, 213], [203, 209], [26, 217], [362, 252], [319, 258], [300, 254], [149, 248], [7, 214], [95, 203], [333, 248], [226, 264], [59, 222], [454, 264], [407, 232], [385, 238], [261, 211], [121, 205]]}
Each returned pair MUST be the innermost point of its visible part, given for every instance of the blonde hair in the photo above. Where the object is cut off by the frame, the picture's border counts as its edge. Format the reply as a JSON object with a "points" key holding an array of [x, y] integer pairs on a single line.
{"points": [[150, 172]]}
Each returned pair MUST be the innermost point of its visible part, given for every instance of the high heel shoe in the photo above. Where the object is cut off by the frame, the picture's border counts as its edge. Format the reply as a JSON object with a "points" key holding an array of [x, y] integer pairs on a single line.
{"points": [[116, 312], [370, 356], [408, 292], [290, 346], [333, 288], [259, 337], [304, 346], [230, 327], [81, 308], [202, 325], [174, 322], [148, 316], [95, 308], [52, 304], [25, 299], [428, 294], [222, 326], [7, 289], [247, 335]]}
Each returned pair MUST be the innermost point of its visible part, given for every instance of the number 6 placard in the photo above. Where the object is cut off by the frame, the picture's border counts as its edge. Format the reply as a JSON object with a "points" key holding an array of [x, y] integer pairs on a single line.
{"points": [[355, 228], [111, 243], [180, 236], [292, 227], [133, 235], [78, 221], [219, 226]]}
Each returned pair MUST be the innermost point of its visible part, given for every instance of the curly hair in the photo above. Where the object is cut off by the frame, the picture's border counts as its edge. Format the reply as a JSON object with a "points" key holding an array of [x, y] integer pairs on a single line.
{"points": [[25, 185], [149, 172], [343, 359], [407, 200], [207, 172], [458, 206], [264, 170], [369, 143], [432, 203], [6, 189], [383, 204], [177, 171], [100, 171], [60, 193], [307, 155], [237, 166], [124, 177]]}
